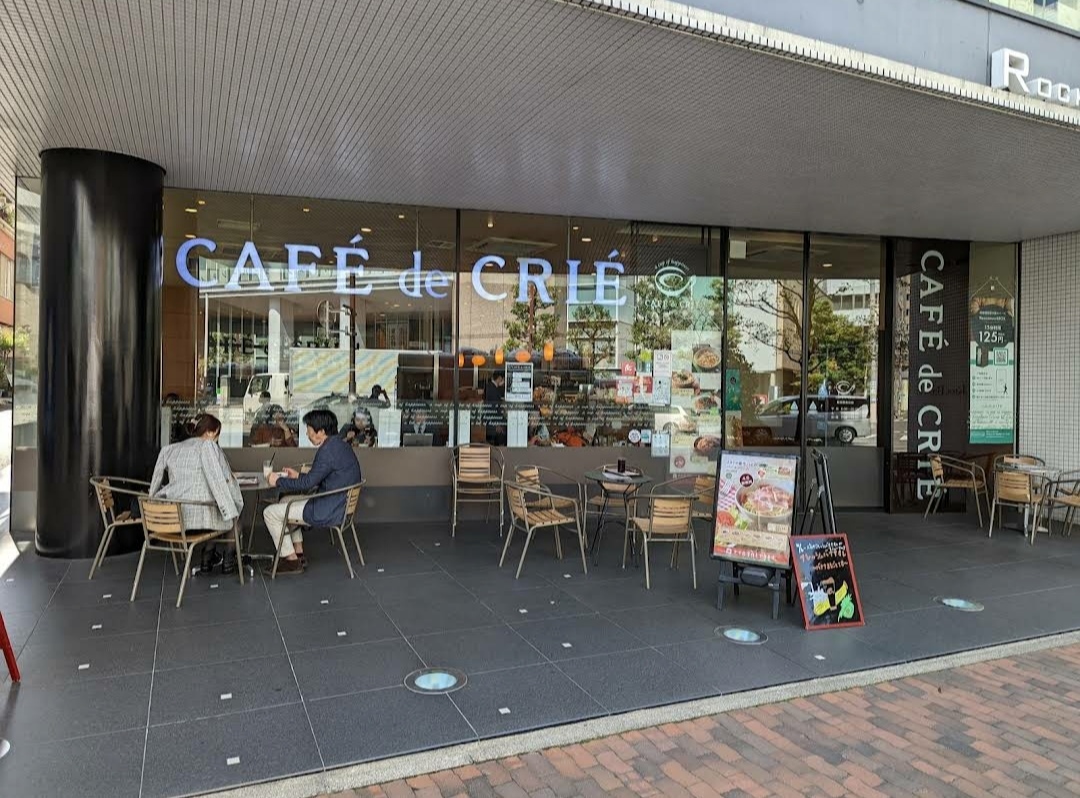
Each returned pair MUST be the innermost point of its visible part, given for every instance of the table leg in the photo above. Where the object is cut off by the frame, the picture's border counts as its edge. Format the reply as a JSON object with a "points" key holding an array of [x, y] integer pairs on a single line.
{"points": [[598, 534]]}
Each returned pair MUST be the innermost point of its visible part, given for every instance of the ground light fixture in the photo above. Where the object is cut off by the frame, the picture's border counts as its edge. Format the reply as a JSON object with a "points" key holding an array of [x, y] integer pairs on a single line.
{"points": [[5, 747], [744, 637], [435, 681], [962, 604]]}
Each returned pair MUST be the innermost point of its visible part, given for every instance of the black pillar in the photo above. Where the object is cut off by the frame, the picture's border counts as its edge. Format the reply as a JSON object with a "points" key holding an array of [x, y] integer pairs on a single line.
{"points": [[100, 339]]}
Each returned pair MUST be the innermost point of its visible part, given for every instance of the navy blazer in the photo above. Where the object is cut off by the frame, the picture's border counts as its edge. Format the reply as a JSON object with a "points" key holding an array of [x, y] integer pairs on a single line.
{"points": [[335, 466]]}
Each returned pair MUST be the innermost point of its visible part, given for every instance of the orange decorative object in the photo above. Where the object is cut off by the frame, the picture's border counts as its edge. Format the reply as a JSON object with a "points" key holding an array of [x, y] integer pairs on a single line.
{"points": [[478, 360], [522, 356], [461, 360], [549, 351], [499, 356]]}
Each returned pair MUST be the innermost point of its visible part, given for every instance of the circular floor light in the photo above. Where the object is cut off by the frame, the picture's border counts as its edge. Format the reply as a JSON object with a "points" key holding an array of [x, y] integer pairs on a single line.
{"points": [[964, 605], [5, 747], [745, 637], [435, 681]]}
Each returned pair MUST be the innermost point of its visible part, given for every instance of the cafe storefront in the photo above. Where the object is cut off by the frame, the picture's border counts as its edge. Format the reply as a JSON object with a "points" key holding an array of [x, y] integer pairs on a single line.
{"points": [[661, 344]]}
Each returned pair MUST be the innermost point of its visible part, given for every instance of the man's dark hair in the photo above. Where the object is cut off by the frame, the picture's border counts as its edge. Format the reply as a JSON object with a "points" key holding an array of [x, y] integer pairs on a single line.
{"points": [[499, 376], [322, 421]]}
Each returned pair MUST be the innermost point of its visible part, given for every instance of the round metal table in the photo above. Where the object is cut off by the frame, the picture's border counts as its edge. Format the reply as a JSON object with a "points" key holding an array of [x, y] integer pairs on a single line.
{"points": [[622, 489]]}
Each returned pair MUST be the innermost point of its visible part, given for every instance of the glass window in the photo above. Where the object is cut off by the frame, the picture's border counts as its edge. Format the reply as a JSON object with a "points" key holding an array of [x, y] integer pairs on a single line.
{"points": [[764, 341]]}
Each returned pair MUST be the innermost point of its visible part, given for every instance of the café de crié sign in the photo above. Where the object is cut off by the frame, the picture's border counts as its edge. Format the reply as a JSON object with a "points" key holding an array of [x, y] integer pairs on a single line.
{"points": [[415, 281]]}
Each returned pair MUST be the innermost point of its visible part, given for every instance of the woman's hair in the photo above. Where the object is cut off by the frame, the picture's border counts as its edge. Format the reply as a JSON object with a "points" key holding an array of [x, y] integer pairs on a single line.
{"points": [[322, 421], [206, 423]]}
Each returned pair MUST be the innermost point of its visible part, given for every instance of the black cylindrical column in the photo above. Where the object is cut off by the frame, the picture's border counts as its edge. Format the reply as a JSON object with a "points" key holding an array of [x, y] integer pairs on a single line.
{"points": [[100, 339]]}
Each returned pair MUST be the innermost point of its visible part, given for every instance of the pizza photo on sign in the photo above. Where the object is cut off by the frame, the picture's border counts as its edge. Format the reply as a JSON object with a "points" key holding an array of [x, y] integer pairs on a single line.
{"points": [[755, 508]]}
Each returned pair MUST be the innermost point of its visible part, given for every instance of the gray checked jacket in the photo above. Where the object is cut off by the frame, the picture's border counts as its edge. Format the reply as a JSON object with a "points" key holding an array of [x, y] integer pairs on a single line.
{"points": [[198, 471]]}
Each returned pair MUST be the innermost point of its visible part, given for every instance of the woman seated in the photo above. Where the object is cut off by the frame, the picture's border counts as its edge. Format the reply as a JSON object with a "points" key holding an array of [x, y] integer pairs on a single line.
{"points": [[539, 435], [196, 470], [361, 432], [273, 429]]}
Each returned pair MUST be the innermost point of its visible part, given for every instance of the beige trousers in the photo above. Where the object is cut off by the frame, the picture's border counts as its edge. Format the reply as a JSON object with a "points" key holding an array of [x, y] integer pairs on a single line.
{"points": [[274, 515]]}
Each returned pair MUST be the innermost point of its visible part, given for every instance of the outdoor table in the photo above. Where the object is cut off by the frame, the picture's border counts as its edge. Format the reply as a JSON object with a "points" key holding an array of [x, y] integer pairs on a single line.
{"points": [[606, 484], [1041, 472], [250, 485]]}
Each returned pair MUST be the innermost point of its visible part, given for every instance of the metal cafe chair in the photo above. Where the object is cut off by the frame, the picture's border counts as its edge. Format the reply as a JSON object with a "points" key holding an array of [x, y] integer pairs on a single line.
{"points": [[541, 476], [1063, 494], [532, 508], [1012, 489], [348, 521], [477, 473], [951, 473], [106, 488], [164, 530], [669, 520]]}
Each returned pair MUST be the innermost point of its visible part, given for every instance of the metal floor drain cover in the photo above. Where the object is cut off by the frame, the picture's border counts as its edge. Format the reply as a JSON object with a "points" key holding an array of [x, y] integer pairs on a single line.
{"points": [[435, 681], [745, 637], [961, 604]]}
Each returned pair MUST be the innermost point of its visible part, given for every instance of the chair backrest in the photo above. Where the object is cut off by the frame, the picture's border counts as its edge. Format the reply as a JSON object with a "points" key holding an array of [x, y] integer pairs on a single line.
{"points": [[474, 461], [937, 470], [106, 501], [670, 515], [515, 497], [352, 501], [528, 475], [161, 517], [705, 488], [1023, 459], [1012, 486]]}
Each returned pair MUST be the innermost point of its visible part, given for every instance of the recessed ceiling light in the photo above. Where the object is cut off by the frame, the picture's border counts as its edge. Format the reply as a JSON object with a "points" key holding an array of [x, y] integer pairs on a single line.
{"points": [[586, 240], [826, 265], [307, 210], [191, 210], [401, 216], [365, 229], [202, 202], [575, 227], [189, 235], [491, 223]]}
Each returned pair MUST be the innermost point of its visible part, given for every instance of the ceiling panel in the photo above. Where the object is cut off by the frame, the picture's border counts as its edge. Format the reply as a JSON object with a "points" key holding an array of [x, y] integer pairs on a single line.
{"points": [[532, 105]]}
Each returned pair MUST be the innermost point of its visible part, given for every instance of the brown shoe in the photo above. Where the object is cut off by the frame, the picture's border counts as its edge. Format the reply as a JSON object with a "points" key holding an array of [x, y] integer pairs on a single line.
{"points": [[290, 567]]}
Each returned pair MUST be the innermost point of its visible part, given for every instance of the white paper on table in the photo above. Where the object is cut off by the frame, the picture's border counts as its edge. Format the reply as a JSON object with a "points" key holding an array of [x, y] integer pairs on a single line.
{"points": [[389, 428]]}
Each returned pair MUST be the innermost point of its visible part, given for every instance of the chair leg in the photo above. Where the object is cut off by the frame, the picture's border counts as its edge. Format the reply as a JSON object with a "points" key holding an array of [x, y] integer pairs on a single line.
{"points": [[506, 545], [581, 545], [993, 508], [175, 563], [524, 551], [277, 552], [558, 542], [345, 552], [930, 504], [356, 540], [645, 556], [625, 543], [453, 516], [103, 547], [184, 578], [693, 558], [978, 507], [236, 542], [138, 572]]}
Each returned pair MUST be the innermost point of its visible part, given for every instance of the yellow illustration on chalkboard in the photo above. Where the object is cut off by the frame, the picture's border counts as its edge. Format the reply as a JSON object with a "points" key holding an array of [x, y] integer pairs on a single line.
{"points": [[827, 597]]}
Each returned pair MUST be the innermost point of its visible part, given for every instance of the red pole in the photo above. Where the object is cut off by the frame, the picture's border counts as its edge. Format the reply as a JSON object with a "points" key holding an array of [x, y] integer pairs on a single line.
{"points": [[9, 652]]}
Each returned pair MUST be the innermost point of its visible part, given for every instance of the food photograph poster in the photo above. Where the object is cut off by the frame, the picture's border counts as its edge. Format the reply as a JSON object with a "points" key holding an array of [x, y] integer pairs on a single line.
{"points": [[755, 504], [697, 390]]}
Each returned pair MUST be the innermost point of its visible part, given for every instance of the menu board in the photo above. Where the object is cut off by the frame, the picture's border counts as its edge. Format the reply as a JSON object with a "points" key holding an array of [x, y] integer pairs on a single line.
{"points": [[826, 578], [992, 365], [697, 388], [519, 382], [755, 507]]}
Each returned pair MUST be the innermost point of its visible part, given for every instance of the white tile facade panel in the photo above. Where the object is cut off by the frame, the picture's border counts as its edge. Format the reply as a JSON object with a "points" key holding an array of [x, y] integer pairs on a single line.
{"points": [[1050, 350], [517, 105]]}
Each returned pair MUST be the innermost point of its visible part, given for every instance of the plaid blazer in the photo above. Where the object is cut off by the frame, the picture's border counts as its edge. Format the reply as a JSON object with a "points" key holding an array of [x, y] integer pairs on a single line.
{"points": [[198, 471]]}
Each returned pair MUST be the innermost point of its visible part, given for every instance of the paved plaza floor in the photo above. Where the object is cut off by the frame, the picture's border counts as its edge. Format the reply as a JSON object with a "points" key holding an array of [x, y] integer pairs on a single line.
{"points": [[305, 674]]}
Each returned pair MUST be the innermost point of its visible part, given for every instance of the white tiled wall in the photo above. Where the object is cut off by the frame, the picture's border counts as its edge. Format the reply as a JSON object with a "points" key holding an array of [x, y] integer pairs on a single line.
{"points": [[1050, 350]]}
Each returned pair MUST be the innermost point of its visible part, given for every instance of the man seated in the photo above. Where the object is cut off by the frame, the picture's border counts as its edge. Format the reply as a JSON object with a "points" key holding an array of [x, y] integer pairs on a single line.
{"points": [[335, 466]]}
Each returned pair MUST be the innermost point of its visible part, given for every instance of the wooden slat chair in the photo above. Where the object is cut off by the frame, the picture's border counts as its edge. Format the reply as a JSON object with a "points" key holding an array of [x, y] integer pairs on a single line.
{"points": [[532, 508], [477, 472], [703, 486], [337, 531], [951, 473], [164, 530], [541, 477], [106, 488], [669, 520], [1013, 489], [1061, 494]]}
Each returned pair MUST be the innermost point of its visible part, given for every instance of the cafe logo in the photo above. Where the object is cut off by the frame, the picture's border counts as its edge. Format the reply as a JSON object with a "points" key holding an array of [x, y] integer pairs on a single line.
{"points": [[1010, 70], [673, 278]]}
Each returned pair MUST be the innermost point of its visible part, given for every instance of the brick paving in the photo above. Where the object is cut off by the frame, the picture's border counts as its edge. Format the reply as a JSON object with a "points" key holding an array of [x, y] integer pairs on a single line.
{"points": [[1000, 728]]}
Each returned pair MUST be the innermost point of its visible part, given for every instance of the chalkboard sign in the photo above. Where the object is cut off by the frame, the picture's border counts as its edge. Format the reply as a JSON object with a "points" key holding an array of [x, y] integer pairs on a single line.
{"points": [[825, 576]]}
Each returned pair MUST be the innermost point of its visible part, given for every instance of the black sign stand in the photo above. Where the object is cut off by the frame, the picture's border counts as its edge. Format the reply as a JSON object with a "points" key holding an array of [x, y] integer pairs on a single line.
{"points": [[819, 498]]}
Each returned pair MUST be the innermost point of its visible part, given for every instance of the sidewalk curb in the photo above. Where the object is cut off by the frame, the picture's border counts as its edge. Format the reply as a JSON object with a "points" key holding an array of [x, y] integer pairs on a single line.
{"points": [[410, 765]]}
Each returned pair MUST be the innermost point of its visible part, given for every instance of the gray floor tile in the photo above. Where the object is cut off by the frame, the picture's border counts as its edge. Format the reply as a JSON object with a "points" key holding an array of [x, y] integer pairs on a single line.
{"points": [[489, 580], [206, 645], [63, 660], [19, 626], [666, 624], [351, 669], [29, 567], [476, 650], [616, 594], [538, 604], [106, 591], [220, 689], [195, 757], [828, 651], [25, 597], [68, 623], [207, 609], [436, 587], [34, 714], [212, 584], [423, 617], [382, 562], [298, 595], [732, 668], [622, 682], [578, 636], [340, 627], [530, 698], [381, 723], [103, 766], [882, 595]]}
